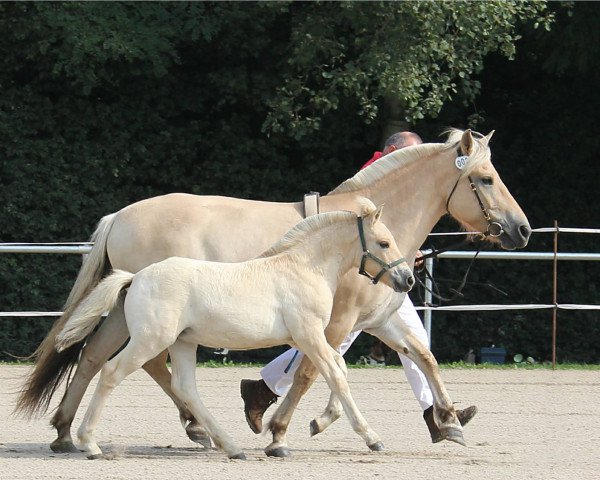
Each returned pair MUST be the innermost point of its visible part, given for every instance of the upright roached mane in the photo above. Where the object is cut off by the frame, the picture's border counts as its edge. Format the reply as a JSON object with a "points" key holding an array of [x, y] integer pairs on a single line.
{"points": [[405, 156]]}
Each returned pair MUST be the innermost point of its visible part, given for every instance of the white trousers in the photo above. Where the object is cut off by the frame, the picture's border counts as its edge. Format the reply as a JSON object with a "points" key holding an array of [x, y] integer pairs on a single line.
{"points": [[279, 374]]}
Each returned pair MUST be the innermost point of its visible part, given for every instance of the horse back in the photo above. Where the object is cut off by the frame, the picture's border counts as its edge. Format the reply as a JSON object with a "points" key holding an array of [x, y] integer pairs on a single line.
{"points": [[220, 229]]}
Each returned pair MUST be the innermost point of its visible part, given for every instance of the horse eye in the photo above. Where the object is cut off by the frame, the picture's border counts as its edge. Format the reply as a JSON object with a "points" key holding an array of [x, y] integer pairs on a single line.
{"points": [[384, 244], [487, 180]]}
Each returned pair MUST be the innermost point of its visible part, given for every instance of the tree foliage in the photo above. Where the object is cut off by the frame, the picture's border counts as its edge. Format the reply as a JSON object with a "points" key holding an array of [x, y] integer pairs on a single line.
{"points": [[106, 103]]}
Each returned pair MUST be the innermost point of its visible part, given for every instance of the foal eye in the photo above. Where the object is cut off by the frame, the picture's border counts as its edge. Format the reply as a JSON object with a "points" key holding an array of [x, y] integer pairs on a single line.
{"points": [[487, 180], [384, 244]]}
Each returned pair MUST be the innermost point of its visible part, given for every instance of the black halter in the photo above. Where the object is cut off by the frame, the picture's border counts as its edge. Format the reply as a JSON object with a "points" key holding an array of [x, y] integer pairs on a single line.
{"points": [[366, 254], [494, 229]]}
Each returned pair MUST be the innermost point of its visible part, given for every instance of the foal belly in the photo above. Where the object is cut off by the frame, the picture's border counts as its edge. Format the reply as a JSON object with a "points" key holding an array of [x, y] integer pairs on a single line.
{"points": [[238, 330]]}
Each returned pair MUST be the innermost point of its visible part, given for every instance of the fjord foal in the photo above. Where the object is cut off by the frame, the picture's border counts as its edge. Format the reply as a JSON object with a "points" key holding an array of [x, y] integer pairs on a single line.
{"points": [[285, 296], [415, 183]]}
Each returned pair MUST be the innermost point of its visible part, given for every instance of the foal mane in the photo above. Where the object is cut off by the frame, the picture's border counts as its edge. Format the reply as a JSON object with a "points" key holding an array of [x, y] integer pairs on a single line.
{"points": [[305, 228], [403, 157]]}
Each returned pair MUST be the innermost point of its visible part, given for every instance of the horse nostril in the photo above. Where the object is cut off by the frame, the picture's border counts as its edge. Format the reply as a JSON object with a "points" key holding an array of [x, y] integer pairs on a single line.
{"points": [[410, 281], [525, 231]]}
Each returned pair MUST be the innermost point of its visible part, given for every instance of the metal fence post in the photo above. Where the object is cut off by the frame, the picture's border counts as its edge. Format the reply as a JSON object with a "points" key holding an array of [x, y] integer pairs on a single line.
{"points": [[428, 297]]}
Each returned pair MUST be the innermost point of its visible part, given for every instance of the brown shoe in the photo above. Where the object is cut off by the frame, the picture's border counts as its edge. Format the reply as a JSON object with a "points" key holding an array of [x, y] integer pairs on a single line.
{"points": [[257, 398], [464, 417]]}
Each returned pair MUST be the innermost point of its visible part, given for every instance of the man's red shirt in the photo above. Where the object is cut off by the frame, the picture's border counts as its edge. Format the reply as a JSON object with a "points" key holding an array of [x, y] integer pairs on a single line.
{"points": [[376, 156]]}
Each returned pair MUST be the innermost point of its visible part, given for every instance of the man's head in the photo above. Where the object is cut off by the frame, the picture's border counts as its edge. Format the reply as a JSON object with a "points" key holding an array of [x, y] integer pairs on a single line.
{"points": [[400, 140]]}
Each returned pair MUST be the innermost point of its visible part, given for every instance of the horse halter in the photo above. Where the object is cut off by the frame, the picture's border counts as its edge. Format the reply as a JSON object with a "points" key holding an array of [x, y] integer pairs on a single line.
{"points": [[366, 254], [494, 229]]}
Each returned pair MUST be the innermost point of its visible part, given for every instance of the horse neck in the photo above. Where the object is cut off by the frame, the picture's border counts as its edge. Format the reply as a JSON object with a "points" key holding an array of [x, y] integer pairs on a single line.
{"points": [[414, 197], [329, 252]]}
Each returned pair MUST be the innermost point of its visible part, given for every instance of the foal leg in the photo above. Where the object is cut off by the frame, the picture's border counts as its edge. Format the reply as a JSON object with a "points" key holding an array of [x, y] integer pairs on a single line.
{"points": [[158, 370], [304, 377], [133, 356], [183, 357], [329, 362], [109, 337]]}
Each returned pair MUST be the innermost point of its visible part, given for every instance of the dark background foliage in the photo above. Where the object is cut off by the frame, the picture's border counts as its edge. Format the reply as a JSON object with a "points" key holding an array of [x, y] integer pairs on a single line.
{"points": [[104, 104]]}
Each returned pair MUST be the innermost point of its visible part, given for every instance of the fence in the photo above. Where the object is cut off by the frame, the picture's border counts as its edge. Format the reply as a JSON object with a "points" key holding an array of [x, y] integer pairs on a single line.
{"points": [[85, 247]]}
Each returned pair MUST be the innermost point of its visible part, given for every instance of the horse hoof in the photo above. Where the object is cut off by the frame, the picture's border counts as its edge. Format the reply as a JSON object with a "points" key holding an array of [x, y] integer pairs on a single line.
{"points": [[314, 428], [95, 456], [198, 435], [377, 447], [63, 446], [455, 436], [280, 452], [238, 456]]}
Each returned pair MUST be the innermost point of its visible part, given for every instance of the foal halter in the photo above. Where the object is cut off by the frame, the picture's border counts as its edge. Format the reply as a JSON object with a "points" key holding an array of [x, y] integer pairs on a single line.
{"points": [[366, 254], [494, 229]]}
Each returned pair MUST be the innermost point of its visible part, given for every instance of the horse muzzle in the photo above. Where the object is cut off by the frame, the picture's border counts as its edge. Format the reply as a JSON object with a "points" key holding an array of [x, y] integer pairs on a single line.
{"points": [[515, 236], [402, 279]]}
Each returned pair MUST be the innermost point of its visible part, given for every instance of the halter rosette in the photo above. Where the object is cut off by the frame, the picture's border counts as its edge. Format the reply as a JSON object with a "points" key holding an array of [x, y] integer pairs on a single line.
{"points": [[385, 267]]}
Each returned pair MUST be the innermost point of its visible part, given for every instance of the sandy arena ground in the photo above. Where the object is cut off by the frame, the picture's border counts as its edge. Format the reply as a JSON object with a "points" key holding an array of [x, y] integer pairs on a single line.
{"points": [[531, 425]]}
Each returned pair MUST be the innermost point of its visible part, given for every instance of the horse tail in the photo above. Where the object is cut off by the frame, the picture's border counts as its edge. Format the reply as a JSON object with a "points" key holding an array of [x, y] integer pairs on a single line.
{"points": [[89, 311], [51, 367]]}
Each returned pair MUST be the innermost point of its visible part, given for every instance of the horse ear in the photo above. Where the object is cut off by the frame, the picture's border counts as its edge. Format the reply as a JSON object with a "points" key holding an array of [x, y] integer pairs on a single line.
{"points": [[377, 214], [487, 138], [466, 143]]}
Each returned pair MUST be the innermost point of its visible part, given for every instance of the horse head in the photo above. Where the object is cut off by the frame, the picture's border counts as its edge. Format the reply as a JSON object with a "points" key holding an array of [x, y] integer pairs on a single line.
{"points": [[479, 199]]}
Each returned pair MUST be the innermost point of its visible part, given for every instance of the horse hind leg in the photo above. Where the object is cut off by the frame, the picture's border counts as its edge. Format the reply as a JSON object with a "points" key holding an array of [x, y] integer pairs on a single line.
{"points": [[183, 358], [159, 372], [304, 377], [109, 337]]}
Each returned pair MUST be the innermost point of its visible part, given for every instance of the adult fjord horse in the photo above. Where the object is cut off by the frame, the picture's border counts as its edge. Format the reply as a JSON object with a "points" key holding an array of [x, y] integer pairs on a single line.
{"points": [[283, 296], [418, 185]]}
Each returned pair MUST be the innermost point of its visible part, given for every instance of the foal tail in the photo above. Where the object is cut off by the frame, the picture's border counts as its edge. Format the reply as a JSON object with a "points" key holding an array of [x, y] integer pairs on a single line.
{"points": [[51, 367], [89, 311]]}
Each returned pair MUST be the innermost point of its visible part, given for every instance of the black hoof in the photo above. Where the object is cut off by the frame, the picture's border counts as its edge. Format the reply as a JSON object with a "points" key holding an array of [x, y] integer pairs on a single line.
{"points": [[377, 447], [238, 456], [63, 447], [96, 456], [198, 435], [281, 452], [455, 436], [314, 428]]}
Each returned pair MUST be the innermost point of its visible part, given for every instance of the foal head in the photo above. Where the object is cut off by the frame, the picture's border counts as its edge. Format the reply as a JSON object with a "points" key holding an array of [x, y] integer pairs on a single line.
{"points": [[381, 260]]}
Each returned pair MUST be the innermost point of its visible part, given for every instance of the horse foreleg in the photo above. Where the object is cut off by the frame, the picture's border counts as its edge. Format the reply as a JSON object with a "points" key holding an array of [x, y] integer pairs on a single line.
{"points": [[398, 338], [183, 357], [157, 369], [109, 337]]}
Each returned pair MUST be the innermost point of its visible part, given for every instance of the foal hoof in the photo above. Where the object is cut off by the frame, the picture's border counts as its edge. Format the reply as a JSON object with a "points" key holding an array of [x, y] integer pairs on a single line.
{"points": [[454, 435], [238, 456], [63, 446], [198, 435], [377, 447], [314, 428], [280, 452], [95, 456]]}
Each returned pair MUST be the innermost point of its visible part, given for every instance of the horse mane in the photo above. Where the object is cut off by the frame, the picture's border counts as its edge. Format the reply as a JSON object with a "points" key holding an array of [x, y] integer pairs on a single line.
{"points": [[403, 157], [305, 228]]}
